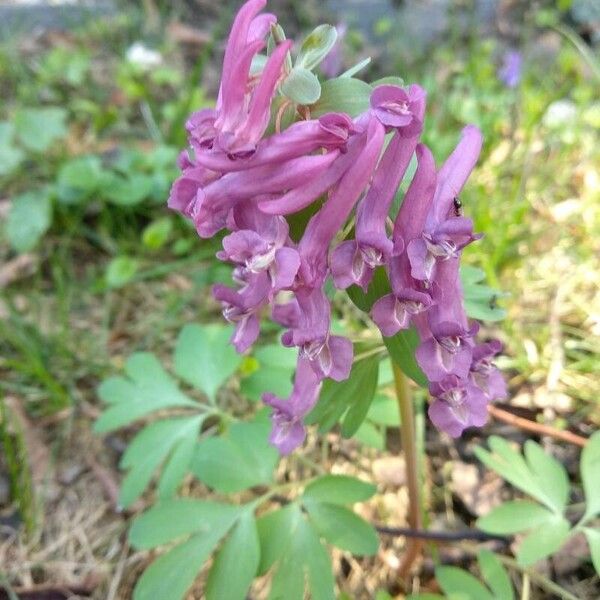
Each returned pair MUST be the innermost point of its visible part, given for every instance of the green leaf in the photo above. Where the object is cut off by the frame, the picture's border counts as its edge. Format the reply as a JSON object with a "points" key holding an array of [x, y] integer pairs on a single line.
{"points": [[370, 435], [401, 348], [178, 463], [510, 465], [148, 388], [593, 538], [128, 191], [336, 396], [205, 358], [84, 173], [174, 519], [339, 489], [302, 86], [343, 94], [316, 46], [276, 366], [237, 461], [287, 582], [149, 448], [352, 71], [38, 128], [361, 402], [480, 300], [156, 235], [550, 474], [384, 411], [317, 560], [275, 532], [236, 563], [543, 541], [453, 580], [172, 574], [343, 528], [495, 575], [10, 156], [514, 516], [590, 475], [120, 271], [389, 80], [29, 218]]}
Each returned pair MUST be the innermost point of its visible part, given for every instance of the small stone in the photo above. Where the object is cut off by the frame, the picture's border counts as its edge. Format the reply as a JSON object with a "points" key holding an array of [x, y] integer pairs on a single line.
{"points": [[390, 471]]}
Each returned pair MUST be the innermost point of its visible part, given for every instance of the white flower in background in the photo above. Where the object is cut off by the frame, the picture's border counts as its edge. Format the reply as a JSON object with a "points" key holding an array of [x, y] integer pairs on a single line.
{"points": [[142, 56], [560, 113]]}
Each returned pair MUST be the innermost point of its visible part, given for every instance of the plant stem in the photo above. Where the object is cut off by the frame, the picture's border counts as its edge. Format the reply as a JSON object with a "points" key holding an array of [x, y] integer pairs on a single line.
{"points": [[538, 579], [409, 447]]}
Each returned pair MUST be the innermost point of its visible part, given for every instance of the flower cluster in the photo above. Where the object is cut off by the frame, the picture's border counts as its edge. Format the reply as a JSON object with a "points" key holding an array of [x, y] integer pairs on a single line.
{"points": [[234, 177]]}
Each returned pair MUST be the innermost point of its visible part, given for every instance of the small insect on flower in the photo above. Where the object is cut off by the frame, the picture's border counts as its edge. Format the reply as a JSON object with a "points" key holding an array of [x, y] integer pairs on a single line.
{"points": [[457, 206]]}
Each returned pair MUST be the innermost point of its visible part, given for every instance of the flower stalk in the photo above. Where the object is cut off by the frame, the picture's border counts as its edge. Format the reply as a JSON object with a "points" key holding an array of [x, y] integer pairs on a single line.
{"points": [[409, 448]]}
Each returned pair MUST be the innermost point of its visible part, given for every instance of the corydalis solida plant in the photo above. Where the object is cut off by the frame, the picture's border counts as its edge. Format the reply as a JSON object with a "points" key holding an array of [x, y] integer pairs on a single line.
{"points": [[237, 178]]}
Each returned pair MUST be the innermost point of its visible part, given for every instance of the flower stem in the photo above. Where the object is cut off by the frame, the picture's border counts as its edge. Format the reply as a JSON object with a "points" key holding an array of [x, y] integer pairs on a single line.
{"points": [[409, 447]]}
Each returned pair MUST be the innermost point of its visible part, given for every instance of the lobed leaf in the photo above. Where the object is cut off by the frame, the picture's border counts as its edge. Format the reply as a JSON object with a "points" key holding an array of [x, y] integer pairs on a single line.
{"points": [[453, 580], [29, 218], [495, 575], [343, 528], [590, 475], [148, 388], [339, 489], [174, 519], [543, 540], [316, 46], [514, 516], [204, 357], [236, 562]]}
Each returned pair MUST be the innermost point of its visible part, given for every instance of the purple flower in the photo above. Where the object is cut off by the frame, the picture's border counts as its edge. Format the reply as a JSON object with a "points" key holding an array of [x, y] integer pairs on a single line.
{"points": [[353, 261], [398, 108], [331, 131], [322, 228], [288, 430], [236, 178], [483, 372], [457, 404], [263, 250], [510, 71], [214, 201], [395, 311], [445, 234], [241, 307], [309, 320]]}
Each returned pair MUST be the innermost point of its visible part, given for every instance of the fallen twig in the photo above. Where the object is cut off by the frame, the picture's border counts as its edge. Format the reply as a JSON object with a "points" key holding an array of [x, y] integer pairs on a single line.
{"points": [[441, 536], [539, 428]]}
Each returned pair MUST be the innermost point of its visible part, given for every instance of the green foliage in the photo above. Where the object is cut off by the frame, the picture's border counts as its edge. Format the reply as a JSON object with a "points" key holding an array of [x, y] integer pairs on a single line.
{"points": [[301, 86], [480, 300], [10, 155], [121, 271], [343, 94], [15, 456], [460, 584], [543, 478], [238, 460], [204, 357], [339, 489], [38, 128], [316, 46], [350, 398], [273, 371], [28, 220]]}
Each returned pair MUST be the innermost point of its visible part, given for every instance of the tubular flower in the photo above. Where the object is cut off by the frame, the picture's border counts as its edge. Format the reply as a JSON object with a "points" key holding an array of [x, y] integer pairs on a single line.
{"points": [[331, 169]]}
